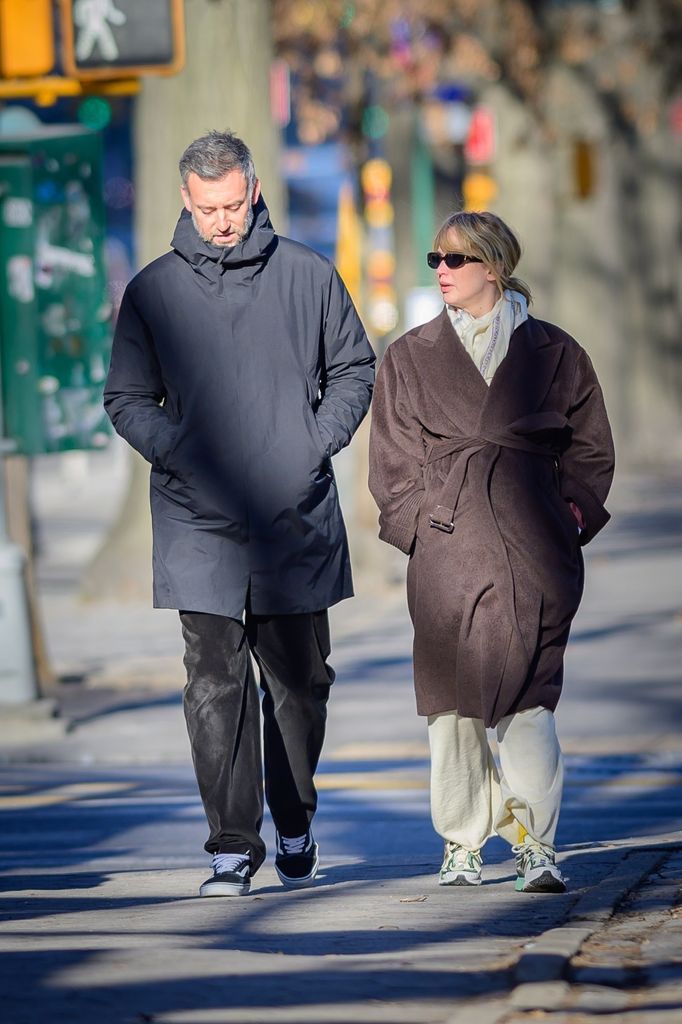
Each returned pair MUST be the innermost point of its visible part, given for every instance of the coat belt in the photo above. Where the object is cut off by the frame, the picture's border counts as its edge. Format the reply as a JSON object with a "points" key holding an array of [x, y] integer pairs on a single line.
{"points": [[443, 516]]}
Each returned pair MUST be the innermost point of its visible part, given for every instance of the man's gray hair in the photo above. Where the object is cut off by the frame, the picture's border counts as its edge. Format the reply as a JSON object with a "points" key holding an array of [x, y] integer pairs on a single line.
{"points": [[213, 156]]}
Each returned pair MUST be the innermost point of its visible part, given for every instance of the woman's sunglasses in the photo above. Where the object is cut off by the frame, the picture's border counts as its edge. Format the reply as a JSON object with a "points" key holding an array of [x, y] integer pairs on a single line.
{"points": [[452, 259]]}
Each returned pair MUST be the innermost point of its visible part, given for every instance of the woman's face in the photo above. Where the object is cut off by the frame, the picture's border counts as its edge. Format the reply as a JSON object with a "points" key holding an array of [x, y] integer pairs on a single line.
{"points": [[471, 287]]}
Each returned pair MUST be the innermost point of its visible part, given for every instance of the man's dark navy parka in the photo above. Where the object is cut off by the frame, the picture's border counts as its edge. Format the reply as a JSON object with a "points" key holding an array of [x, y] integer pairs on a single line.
{"points": [[237, 373]]}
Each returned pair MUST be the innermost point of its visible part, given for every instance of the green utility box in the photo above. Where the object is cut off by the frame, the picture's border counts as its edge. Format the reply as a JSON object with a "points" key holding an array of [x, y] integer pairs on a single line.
{"points": [[54, 311]]}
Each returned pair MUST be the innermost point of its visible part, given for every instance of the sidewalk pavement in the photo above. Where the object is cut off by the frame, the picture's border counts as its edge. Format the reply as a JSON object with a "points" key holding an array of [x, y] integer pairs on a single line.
{"points": [[110, 929]]}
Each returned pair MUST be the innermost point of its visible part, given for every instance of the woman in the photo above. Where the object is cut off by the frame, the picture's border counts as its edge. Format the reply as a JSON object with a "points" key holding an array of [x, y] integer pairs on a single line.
{"points": [[490, 459]]}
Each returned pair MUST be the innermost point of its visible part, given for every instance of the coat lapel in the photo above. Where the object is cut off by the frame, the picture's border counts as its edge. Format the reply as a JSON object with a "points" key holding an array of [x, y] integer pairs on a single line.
{"points": [[449, 374], [524, 376], [518, 388]]}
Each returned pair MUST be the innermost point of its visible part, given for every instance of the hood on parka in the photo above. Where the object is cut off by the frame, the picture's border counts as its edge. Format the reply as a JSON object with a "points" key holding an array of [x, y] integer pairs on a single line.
{"points": [[211, 261]]}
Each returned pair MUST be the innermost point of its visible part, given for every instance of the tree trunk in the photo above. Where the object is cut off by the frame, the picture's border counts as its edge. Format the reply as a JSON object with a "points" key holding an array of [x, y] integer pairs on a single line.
{"points": [[573, 257], [225, 84]]}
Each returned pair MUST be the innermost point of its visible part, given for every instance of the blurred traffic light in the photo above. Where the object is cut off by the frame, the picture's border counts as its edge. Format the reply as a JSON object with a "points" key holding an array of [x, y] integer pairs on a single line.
{"points": [[26, 38], [94, 112], [480, 191], [584, 169], [381, 304]]}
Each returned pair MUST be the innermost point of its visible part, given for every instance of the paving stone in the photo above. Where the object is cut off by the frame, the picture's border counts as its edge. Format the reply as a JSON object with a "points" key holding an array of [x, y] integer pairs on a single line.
{"points": [[616, 977], [598, 999], [543, 995], [550, 954]]}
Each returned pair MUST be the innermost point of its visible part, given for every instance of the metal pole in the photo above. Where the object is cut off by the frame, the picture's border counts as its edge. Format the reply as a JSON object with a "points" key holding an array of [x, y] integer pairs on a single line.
{"points": [[18, 682]]}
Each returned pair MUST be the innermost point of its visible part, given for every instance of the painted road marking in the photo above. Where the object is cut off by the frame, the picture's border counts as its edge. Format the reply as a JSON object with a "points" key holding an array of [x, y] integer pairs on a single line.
{"points": [[371, 780], [62, 794], [580, 777], [380, 752]]}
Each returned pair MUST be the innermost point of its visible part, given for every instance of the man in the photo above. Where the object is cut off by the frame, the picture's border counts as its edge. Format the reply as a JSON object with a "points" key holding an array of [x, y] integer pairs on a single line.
{"points": [[239, 367]]}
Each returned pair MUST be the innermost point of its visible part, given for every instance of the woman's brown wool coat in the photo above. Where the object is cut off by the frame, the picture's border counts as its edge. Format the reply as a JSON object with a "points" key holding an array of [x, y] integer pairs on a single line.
{"points": [[473, 482]]}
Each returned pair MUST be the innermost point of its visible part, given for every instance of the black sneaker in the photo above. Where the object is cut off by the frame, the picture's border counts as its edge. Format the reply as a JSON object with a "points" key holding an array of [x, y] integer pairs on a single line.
{"points": [[230, 876], [296, 860]]}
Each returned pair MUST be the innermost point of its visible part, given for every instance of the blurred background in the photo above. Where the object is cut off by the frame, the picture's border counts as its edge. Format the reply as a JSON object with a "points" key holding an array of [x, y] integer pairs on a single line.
{"points": [[369, 122]]}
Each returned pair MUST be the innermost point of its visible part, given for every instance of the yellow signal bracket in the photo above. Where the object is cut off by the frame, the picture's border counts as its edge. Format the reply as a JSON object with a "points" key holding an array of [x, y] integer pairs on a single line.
{"points": [[47, 90], [114, 87]]}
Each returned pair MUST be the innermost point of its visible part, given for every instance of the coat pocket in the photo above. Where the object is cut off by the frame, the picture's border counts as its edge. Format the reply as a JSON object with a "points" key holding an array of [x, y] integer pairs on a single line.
{"points": [[311, 419]]}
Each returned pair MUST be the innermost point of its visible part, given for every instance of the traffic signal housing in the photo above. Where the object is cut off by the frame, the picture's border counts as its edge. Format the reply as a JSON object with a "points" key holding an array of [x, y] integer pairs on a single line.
{"points": [[26, 38]]}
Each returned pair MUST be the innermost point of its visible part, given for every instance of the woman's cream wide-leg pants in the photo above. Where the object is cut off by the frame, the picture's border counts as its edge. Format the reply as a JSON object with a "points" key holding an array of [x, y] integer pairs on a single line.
{"points": [[471, 800]]}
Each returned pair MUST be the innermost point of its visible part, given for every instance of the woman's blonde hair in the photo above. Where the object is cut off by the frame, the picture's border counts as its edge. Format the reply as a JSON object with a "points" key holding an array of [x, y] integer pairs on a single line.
{"points": [[487, 237]]}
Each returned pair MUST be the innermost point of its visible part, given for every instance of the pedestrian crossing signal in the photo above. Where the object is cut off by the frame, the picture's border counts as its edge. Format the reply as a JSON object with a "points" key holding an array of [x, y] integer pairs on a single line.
{"points": [[122, 38]]}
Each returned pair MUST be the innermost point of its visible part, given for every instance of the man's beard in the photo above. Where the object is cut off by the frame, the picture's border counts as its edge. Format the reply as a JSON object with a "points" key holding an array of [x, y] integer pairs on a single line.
{"points": [[241, 235]]}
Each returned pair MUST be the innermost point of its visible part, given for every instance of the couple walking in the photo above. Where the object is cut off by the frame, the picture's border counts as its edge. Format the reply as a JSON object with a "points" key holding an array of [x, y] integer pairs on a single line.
{"points": [[239, 368]]}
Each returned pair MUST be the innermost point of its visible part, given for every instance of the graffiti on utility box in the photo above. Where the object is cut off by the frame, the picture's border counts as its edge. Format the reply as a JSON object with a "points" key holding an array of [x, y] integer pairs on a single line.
{"points": [[54, 311]]}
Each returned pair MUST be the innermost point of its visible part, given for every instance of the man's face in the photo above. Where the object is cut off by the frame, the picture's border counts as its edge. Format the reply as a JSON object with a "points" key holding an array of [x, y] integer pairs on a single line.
{"points": [[222, 210]]}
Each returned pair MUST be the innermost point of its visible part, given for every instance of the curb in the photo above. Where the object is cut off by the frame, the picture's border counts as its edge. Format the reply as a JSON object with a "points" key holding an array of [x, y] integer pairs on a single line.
{"points": [[539, 974]]}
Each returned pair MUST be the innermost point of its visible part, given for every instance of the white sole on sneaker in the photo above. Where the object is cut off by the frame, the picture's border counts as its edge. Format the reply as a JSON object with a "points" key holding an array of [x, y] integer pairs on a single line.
{"points": [[305, 880], [458, 879], [540, 880], [219, 888]]}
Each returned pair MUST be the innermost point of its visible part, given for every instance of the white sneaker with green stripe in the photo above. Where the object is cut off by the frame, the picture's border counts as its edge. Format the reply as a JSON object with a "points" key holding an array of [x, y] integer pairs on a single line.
{"points": [[460, 866], [536, 870]]}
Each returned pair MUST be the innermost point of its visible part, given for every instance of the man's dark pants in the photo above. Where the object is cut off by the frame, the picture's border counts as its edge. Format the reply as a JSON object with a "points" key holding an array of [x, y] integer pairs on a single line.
{"points": [[223, 720]]}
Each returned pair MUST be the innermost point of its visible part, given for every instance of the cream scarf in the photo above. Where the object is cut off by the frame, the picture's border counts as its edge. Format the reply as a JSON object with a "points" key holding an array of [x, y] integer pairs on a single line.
{"points": [[486, 338]]}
